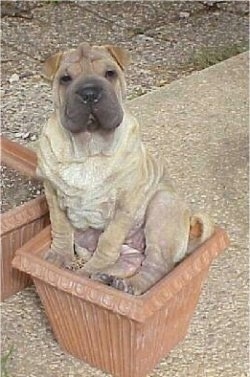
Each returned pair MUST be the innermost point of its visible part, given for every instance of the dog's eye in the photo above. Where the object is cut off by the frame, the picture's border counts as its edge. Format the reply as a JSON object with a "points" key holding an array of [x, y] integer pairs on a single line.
{"points": [[65, 79], [110, 74]]}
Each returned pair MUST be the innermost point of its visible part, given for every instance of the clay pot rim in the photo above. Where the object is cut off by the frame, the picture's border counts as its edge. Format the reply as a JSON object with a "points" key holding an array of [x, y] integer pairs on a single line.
{"points": [[23, 214], [138, 308]]}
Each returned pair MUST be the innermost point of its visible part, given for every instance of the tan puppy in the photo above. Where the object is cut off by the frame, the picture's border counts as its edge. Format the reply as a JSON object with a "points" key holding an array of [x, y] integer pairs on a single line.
{"points": [[108, 197]]}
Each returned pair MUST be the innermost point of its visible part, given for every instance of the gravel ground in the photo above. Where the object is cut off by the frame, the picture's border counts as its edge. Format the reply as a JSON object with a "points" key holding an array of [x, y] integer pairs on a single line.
{"points": [[163, 37], [10, 195]]}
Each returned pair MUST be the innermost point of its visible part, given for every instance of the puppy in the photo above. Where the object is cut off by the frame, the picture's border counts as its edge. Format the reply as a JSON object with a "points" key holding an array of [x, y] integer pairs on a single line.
{"points": [[109, 199]]}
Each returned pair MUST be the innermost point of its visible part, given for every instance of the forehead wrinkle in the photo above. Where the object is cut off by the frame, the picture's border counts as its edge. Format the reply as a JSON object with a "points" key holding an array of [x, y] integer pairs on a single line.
{"points": [[71, 58], [84, 52], [84, 59], [96, 55], [85, 64], [76, 55], [76, 65]]}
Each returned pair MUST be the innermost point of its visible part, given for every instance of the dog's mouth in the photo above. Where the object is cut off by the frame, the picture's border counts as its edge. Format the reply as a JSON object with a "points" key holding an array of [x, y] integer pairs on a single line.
{"points": [[80, 122], [93, 123], [87, 121]]}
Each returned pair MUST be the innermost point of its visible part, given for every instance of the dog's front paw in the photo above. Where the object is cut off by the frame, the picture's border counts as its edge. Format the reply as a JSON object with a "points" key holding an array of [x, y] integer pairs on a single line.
{"points": [[83, 253], [94, 265], [87, 270], [82, 272], [57, 258]]}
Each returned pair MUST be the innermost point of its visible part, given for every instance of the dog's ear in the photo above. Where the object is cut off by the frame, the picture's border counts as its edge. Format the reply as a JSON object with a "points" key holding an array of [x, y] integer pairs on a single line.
{"points": [[120, 54], [51, 65]]}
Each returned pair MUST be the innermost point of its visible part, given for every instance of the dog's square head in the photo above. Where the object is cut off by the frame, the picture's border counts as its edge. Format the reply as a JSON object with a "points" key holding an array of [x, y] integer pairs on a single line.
{"points": [[88, 86]]}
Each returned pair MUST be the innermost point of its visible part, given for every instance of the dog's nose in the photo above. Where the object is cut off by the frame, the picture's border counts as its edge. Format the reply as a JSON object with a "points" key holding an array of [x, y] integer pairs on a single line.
{"points": [[90, 93]]}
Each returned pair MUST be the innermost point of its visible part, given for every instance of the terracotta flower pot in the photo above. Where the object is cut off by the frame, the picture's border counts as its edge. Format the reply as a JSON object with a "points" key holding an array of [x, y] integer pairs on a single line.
{"points": [[114, 331], [19, 225]]}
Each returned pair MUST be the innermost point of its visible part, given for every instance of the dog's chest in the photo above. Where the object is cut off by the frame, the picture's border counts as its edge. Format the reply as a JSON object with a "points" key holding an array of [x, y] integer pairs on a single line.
{"points": [[87, 176], [87, 193]]}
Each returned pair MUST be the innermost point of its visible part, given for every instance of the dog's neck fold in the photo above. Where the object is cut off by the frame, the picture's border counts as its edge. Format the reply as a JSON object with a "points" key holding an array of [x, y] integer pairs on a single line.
{"points": [[97, 143]]}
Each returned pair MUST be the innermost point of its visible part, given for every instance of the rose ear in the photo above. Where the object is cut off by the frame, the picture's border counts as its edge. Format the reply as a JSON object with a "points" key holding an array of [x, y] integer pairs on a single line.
{"points": [[120, 54], [51, 65]]}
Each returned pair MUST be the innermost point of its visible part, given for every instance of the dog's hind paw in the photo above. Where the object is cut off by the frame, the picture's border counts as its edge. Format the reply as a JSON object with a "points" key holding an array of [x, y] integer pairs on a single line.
{"points": [[123, 285], [103, 278]]}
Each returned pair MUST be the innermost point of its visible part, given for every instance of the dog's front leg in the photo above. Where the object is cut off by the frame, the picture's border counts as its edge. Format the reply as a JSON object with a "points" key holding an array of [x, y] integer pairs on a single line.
{"points": [[110, 242], [62, 247]]}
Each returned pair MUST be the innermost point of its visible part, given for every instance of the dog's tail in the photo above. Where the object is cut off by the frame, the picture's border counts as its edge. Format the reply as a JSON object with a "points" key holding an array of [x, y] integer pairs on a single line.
{"points": [[201, 228]]}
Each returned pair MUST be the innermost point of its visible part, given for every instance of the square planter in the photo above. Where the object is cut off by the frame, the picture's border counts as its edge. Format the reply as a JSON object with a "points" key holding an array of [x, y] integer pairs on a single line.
{"points": [[121, 334], [18, 226]]}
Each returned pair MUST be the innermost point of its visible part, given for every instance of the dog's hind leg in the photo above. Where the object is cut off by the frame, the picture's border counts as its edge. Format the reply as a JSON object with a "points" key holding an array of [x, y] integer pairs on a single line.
{"points": [[166, 230], [127, 265]]}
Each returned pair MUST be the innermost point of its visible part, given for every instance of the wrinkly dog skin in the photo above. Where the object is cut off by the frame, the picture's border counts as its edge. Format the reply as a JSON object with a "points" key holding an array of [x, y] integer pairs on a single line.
{"points": [[110, 201]]}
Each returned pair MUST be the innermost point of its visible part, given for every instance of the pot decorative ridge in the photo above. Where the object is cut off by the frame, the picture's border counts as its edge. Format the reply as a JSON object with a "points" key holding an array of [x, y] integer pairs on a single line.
{"points": [[121, 334], [23, 214]]}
